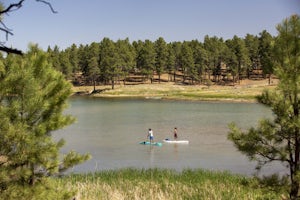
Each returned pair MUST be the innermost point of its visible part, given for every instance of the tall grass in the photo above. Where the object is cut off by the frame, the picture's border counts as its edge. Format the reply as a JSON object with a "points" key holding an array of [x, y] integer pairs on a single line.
{"points": [[164, 184]]}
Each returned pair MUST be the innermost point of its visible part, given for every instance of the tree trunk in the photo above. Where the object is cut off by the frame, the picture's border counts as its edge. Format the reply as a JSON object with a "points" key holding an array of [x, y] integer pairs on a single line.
{"points": [[174, 76], [294, 188], [233, 80], [296, 165], [94, 85], [112, 84]]}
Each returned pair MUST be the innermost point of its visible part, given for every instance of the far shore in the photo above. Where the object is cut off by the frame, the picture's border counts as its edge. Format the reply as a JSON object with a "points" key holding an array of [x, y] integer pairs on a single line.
{"points": [[245, 91]]}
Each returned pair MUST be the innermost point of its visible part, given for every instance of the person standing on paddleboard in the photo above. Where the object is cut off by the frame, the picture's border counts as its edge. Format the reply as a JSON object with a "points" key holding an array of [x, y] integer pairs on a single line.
{"points": [[175, 134], [150, 135]]}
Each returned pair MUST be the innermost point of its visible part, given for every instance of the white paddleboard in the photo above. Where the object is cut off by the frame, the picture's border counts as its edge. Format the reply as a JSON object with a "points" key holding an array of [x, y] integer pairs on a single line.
{"points": [[176, 141]]}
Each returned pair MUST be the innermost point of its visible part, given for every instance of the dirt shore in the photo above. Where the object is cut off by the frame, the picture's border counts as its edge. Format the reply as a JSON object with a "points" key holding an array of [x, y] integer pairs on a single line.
{"points": [[246, 90]]}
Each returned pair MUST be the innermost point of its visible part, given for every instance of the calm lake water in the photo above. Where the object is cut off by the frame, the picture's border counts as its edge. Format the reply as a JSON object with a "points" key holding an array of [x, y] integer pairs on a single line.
{"points": [[111, 129]]}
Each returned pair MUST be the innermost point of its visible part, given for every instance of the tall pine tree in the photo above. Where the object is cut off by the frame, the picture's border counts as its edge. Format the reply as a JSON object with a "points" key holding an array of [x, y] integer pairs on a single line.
{"points": [[32, 99], [279, 139]]}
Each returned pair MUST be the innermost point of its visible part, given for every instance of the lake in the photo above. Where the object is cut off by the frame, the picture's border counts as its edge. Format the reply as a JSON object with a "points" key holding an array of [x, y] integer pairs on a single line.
{"points": [[110, 129]]}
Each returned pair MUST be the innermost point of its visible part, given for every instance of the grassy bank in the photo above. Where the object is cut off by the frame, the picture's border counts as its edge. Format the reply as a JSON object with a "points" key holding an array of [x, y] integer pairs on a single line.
{"points": [[245, 91], [165, 184]]}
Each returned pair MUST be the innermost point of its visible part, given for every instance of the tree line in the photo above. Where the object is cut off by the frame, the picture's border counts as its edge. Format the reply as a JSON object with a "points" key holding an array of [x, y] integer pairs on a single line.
{"points": [[190, 62]]}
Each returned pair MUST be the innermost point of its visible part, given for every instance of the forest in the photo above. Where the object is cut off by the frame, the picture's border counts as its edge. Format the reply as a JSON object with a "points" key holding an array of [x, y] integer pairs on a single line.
{"points": [[213, 61]]}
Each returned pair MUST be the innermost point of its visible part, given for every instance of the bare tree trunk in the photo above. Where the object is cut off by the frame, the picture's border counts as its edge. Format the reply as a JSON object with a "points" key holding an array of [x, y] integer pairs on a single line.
{"points": [[174, 76], [94, 85], [112, 83]]}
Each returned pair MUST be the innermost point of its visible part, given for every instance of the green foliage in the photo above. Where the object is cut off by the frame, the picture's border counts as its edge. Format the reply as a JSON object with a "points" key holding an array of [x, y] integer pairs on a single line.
{"points": [[161, 56], [252, 45], [46, 189], [146, 58], [278, 139], [265, 52], [187, 61], [238, 48], [107, 61], [32, 99], [167, 184], [200, 56]]}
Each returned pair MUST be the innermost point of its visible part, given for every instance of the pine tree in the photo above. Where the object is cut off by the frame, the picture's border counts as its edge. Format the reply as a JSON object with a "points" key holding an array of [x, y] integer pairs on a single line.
{"points": [[187, 62], [265, 52], [32, 98], [161, 56], [146, 58], [279, 139]]}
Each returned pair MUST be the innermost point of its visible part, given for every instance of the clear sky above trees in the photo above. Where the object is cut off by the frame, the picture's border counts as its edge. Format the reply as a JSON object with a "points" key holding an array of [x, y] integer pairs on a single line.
{"points": [[82, 22]]}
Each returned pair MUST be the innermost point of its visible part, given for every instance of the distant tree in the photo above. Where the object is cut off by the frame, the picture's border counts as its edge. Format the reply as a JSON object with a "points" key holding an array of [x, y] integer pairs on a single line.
{"points": [[279, 139], [138, 46], [238, 47], [161, 56], [232, 64], [32, 99], [126, 58], [187, 62], [146, 59], [176, 46], [109, 61], [74, 59], [171, 62], [265, 53], [93, 67], [61, 60], [65, 64], [215, 48], [83, 59], [200, 58], [252, 44]]}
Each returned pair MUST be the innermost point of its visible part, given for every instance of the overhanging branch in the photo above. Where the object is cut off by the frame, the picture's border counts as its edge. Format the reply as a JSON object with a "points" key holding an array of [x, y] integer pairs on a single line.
{"points": [[13, 7], [11, 50], [49, 4]]}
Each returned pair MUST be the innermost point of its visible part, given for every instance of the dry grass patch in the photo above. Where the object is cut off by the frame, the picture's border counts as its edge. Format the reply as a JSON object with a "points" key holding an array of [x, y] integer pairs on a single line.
{"points": [[246, 91]]}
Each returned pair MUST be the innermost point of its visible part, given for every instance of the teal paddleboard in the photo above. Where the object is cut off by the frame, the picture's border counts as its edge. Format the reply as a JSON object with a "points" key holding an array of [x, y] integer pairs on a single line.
{"points": [[152, 143]]}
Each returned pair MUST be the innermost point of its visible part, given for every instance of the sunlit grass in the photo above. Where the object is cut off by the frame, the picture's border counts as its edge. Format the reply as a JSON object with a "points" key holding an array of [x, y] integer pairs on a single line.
{"points": [[164, 184], [181, 92]]}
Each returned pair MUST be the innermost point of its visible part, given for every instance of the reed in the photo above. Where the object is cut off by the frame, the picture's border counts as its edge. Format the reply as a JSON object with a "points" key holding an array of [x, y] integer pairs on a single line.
{"points": [[164, 184]]}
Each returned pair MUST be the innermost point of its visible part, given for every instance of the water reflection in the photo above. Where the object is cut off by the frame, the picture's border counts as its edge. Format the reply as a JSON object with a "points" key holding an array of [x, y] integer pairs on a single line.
{"points": [[151, 155]]}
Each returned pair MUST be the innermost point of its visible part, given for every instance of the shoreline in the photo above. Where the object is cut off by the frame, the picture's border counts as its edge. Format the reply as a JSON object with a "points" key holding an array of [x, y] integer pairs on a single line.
{"points": [[246, 91], [226, 100]]}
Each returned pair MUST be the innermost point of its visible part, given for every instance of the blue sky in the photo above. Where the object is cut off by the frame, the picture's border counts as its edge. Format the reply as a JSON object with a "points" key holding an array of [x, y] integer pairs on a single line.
{"points": [[83, 22]]}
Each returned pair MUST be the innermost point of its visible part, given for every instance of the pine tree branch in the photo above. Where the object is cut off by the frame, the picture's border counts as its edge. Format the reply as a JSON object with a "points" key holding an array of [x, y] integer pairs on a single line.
{"points": [[11, 50], [47, 3], [12, 7], [16, 6]]}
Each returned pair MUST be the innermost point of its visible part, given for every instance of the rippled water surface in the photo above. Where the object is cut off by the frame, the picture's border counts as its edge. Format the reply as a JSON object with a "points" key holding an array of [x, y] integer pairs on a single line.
{"points": [[111, 129]]}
